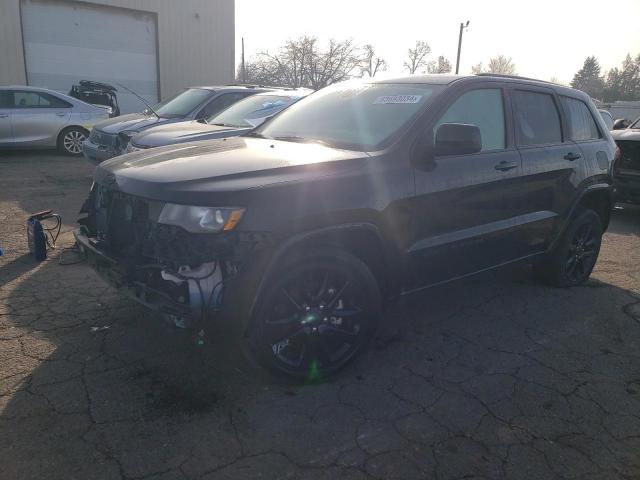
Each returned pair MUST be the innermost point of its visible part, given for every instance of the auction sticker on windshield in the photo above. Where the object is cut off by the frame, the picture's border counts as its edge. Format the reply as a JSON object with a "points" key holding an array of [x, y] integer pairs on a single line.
{"points": [[397, 99]]}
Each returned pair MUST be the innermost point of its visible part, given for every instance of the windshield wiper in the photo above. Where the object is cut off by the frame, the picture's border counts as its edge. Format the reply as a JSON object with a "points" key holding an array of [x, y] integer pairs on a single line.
{"points": [[257, 135]]}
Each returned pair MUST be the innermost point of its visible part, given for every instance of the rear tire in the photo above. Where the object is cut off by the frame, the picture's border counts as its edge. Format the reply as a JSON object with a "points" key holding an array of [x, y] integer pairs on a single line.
{"points": [[317, 313], [70, 141], [572, 260]]}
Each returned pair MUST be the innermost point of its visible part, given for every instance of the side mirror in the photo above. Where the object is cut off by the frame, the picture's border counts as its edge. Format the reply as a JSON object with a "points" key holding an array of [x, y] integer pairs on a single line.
{"points": [[457, 139]]}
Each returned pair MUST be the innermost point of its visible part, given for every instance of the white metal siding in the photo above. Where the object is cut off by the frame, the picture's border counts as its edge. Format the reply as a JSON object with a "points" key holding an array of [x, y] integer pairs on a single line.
{"points": [[66, 42], [196, 40]]}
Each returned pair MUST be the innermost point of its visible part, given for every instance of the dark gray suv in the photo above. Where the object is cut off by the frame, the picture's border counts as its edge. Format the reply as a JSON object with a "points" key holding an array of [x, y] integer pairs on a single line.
{"points": [[298, 232], [111, 137]]}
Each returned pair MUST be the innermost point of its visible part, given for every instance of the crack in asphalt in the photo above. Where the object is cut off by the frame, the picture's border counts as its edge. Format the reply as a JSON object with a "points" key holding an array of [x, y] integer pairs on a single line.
{"points": [[494, 377]]}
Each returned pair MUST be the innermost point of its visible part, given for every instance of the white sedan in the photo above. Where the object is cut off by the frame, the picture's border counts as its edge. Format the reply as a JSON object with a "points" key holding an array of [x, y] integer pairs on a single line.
{"points": [[33, 117]]}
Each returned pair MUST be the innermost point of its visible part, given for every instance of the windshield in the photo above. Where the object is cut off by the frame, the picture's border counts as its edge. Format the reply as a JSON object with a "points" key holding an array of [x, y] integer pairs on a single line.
{"points": [[183, 103], [351, 115], [251, 111], [635, 124]]}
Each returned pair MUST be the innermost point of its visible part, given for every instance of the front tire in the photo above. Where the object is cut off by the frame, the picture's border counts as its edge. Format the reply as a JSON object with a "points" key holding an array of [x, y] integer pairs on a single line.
{"points": [[70, 141], [576, 253], [317, 313]]}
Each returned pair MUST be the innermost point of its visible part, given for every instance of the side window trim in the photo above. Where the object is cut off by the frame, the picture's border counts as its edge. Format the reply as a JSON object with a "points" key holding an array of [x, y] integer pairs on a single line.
{"points": [[199, 110], [509, 140], [564, 127], [570, 124], [43, 95]]}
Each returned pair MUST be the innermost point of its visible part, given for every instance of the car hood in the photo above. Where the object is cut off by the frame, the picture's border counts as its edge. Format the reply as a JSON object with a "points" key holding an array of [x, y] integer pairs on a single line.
{"points": [[131, 121], [632, 134], [182, 132], [199, 173]]}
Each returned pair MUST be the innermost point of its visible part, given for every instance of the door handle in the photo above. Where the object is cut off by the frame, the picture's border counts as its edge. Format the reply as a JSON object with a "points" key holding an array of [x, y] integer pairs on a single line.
{"points": [[505, 166], [60, 114], [572, 156], [4, 115]]}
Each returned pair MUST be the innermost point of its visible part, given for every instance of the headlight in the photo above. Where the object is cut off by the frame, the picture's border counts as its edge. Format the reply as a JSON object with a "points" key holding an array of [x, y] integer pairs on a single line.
{"points": [[201, 219]]}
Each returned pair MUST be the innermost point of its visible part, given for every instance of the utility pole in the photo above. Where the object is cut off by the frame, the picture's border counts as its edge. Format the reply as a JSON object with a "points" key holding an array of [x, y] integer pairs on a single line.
{"points": [[462, 27], [244, 68]]}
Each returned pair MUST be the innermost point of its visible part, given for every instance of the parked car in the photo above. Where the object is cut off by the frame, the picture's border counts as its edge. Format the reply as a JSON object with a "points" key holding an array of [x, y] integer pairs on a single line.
{"points": [[239, 118], [299, 231], [33, 117], [626, 171], [608, 119], [111, 138]]}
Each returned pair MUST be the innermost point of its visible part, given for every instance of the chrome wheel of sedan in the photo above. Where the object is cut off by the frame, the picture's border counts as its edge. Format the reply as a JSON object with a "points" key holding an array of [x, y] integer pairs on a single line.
{"points": [[70, 141]]}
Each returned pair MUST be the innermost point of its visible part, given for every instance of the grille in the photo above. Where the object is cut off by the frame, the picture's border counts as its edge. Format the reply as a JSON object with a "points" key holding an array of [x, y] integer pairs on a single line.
{"points": [[122, 220]]}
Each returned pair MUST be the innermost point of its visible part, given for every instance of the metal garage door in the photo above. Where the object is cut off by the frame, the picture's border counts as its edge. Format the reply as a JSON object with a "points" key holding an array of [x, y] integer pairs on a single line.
{"points": [[67, 41]]}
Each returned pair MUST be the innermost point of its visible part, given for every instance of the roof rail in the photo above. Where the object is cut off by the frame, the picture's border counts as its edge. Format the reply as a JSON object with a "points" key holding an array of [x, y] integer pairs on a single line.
{"points": [[515, 77]]}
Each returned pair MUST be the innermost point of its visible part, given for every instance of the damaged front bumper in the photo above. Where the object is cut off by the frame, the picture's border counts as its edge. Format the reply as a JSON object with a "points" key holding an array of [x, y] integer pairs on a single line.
{"points": [[186, 296], [182, 275]]}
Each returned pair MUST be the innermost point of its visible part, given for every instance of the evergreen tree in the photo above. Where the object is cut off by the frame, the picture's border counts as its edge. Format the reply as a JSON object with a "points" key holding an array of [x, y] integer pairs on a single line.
{"points": [[588, 78]]}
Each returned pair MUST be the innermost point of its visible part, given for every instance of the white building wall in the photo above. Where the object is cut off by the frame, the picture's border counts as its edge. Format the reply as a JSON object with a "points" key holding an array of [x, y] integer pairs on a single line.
{"points": [[196, 41]]}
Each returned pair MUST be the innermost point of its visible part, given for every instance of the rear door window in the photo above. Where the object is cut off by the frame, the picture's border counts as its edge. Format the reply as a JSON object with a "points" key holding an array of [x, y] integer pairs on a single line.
{"points": [[26, 99], [484, 109], [537, 118], [582, 126]]}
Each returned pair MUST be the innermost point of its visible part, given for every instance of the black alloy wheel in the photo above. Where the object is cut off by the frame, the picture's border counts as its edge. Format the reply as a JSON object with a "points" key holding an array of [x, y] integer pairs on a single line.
{"points": [[582, 254], [576, 253], [317, 315]]}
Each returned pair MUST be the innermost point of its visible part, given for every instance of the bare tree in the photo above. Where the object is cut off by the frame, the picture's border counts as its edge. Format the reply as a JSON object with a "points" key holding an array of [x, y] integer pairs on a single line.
{"points": [[372, 64], [302, 63], [478, 68], [417, 57], [503, 65], [335, 64], [442, 65], [500, 64], [557, 81]]}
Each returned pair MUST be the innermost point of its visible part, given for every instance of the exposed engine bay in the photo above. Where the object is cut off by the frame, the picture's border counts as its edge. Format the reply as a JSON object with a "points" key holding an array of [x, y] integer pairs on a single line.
{"points": [[179, 274]]}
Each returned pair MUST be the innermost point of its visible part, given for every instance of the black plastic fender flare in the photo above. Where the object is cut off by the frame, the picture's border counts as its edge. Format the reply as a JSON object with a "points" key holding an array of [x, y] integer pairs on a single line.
{"points": [[571, 212], [299, 238]]}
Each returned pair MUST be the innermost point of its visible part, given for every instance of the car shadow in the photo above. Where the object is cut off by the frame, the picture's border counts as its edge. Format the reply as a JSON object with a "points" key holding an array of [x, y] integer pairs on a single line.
{"points": [[90, 372]]}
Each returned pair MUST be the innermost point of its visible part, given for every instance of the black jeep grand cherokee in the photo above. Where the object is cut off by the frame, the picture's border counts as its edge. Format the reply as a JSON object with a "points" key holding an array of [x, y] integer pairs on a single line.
{"points": [[299, 231]]}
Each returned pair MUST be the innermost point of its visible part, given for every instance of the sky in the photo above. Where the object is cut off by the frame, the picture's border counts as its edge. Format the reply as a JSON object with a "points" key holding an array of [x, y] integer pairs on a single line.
{"points": [[545, 38]]}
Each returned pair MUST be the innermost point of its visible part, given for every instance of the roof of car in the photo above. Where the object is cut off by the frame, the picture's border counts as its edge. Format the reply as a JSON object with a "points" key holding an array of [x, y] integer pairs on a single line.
{"points": [[287, 92], [27, 87], [234, 87], [446, 79], [439, 79]]}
